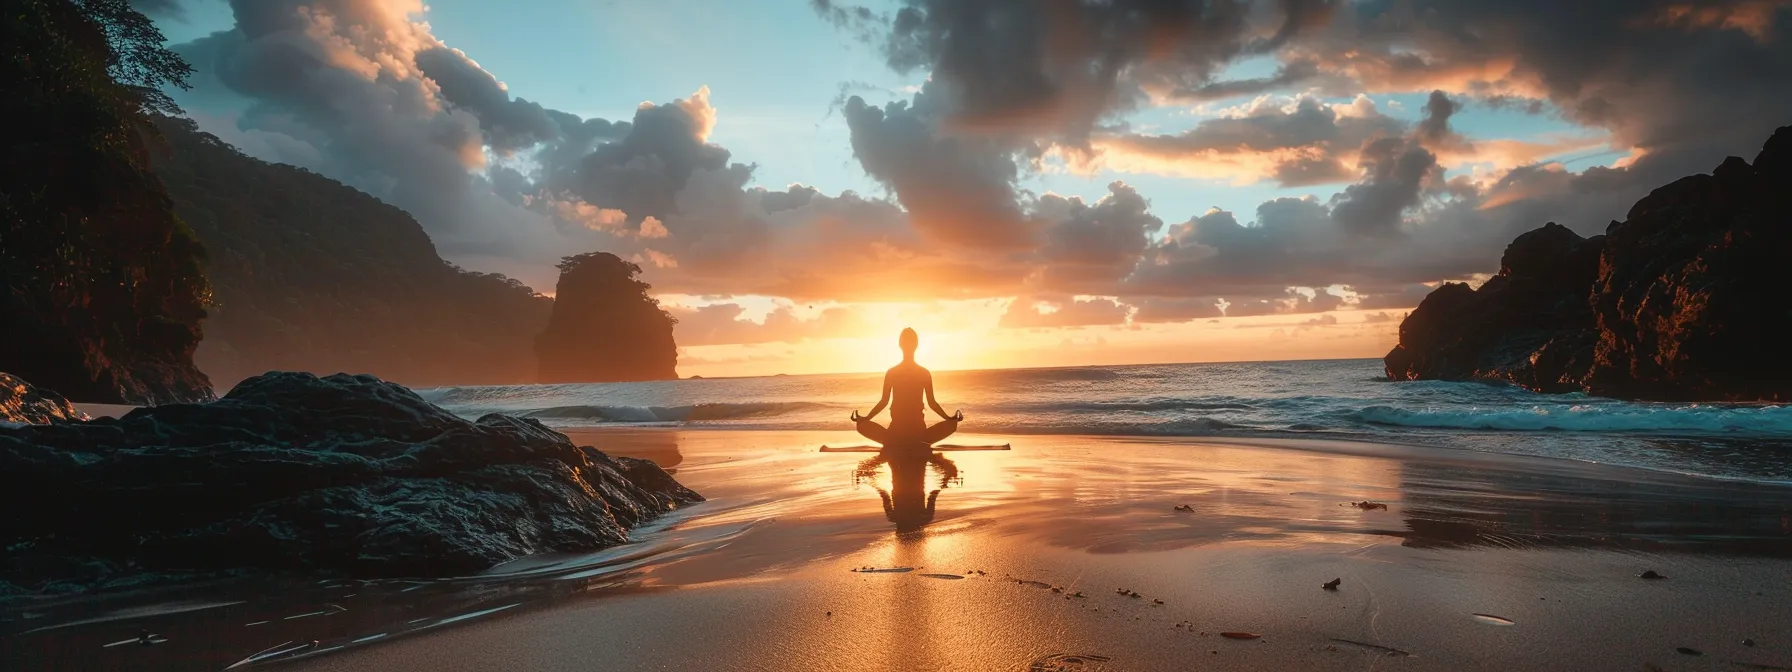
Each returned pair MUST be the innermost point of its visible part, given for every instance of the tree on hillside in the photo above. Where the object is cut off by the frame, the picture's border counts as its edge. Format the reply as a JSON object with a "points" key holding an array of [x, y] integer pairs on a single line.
{"points": [[605, 326], [101, 287]]}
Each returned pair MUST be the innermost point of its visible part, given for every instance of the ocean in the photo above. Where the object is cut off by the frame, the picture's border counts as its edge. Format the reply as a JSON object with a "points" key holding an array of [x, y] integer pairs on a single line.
{"points": [[1333, 399]]}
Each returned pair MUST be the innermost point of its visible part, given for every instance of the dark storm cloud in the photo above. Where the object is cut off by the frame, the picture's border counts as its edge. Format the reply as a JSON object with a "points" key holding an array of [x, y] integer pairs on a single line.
{"points": [[1305, 145], [509, 124], [642, 171], [1686, 82], [1057, 68], [960, 189], [1285, 76], [1090, 247], [1393, 173]]}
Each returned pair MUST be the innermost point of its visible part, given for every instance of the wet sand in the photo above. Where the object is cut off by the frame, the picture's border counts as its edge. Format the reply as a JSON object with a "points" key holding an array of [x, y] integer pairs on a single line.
{"points": [[1477, 562]]}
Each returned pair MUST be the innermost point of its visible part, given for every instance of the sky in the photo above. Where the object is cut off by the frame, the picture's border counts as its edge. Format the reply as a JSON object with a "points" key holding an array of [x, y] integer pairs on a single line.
{"points": [[1025, 182]]}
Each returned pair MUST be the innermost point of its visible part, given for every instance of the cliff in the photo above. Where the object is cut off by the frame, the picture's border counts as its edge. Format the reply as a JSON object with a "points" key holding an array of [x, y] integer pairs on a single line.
{"points": [[1681, 301], [101, 286], [604, 326], [309, 274], [344, 475], [21, 403]]}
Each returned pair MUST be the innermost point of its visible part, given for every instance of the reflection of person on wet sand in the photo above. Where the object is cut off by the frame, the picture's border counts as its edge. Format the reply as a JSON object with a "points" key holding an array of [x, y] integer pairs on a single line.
{"points": [[904, 386], [909, 504]]}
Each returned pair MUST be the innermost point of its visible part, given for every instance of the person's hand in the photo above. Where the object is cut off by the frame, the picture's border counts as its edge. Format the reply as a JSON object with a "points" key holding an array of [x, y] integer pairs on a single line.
{"points": [[856, 417], [958, 416]]}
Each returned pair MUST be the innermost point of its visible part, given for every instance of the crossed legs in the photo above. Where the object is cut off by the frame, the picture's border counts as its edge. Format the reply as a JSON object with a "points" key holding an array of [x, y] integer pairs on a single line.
{"points": [[883, 436]]}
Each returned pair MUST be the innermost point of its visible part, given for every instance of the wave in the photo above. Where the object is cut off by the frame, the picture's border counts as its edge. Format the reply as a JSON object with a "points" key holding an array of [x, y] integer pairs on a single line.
{"points": [[1615, 417], [688, 413], [1142, 405]]}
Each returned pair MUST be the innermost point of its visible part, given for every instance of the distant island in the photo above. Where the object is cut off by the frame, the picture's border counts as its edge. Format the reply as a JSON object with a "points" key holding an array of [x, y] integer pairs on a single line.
{"points": [[1681, 301]]}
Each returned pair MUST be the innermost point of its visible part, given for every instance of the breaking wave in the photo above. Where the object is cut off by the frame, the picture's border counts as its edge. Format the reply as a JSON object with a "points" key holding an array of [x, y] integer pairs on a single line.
{"points": [[690, 413], [1609, 417]]}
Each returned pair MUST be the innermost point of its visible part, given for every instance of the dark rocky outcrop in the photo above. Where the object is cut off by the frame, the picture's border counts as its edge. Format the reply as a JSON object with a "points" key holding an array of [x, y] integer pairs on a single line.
{"points": [[337, 475], [605, 327], [1681, 301], [101, 288], [309, 274], [22, 403]]}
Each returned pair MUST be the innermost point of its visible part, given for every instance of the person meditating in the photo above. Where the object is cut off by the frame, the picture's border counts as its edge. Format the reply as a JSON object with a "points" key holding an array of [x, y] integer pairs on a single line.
{"points": [[904, 385]]}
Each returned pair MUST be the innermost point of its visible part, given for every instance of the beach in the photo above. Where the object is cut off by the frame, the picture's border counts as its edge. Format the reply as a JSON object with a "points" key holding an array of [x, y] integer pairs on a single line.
{"points": [[1031, 558]]}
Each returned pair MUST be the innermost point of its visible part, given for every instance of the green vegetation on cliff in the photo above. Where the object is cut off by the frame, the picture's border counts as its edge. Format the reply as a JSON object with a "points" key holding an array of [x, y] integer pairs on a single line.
{"points": [[313, 275], [101, 287], [605, 327]]}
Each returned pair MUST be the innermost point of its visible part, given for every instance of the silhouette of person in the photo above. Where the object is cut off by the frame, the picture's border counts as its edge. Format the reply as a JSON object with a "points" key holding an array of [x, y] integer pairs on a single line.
{"points": [[909, 503], [904, 386]]}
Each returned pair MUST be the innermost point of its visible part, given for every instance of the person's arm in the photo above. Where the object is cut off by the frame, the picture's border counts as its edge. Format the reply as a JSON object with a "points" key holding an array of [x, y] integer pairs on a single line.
{"points": [[935, 403], [881, 403]]}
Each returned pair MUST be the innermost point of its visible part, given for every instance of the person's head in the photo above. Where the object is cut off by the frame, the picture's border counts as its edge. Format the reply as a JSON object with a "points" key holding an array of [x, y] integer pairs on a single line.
{"points": [[909, 341]]}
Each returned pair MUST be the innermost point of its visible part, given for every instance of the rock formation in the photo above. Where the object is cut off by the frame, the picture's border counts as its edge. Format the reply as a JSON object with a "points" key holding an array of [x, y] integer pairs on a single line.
{"points": [[1681, 301], [101, 289], [20, 403], [309, 274], [338, 475], [605, 327]]}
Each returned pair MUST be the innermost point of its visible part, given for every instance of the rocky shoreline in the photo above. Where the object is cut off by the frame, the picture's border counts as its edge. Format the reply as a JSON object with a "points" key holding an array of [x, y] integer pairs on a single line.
{"points": [[340, 475], [1679, 302]]}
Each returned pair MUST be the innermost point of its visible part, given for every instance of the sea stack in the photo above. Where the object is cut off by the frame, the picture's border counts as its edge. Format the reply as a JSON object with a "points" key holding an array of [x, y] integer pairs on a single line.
{"points": [[605, 327], [1676, 303]]}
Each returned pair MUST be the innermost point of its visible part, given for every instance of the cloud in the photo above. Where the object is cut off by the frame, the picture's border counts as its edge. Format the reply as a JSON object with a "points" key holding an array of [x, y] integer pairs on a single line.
{"points": [[1033, 313], [1056, 70], [959, 189], [1091, 247], [720, 323], [362, 91], [1304, 142], [1161, 309]]}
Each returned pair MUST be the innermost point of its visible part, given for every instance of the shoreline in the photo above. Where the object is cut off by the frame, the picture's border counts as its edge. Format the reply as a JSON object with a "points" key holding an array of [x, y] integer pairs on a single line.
{"points": [[746, 580]]}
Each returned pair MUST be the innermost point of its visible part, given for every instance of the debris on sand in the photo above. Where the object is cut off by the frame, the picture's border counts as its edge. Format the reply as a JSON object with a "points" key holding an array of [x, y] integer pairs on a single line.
{"points": [[1030, 582], [1650, 574], [1240, 635], [1333, 584], [884, 570], [1390, 650], [1185, 507], [1058, 662], [1748, 642], [1156, 601], [1689, 651], [1367, 505], [1127, 592]]}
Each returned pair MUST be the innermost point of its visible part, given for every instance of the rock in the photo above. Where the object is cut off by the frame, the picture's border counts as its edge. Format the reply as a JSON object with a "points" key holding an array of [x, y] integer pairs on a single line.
{"points": [[1667, 305], [1650, 574], [604, 326], [339, 475], [1333, 584], [22, 403]]}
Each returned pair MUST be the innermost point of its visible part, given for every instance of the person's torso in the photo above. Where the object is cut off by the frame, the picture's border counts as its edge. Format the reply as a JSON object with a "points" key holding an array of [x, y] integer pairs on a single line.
{"points": [[906, 384]]}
